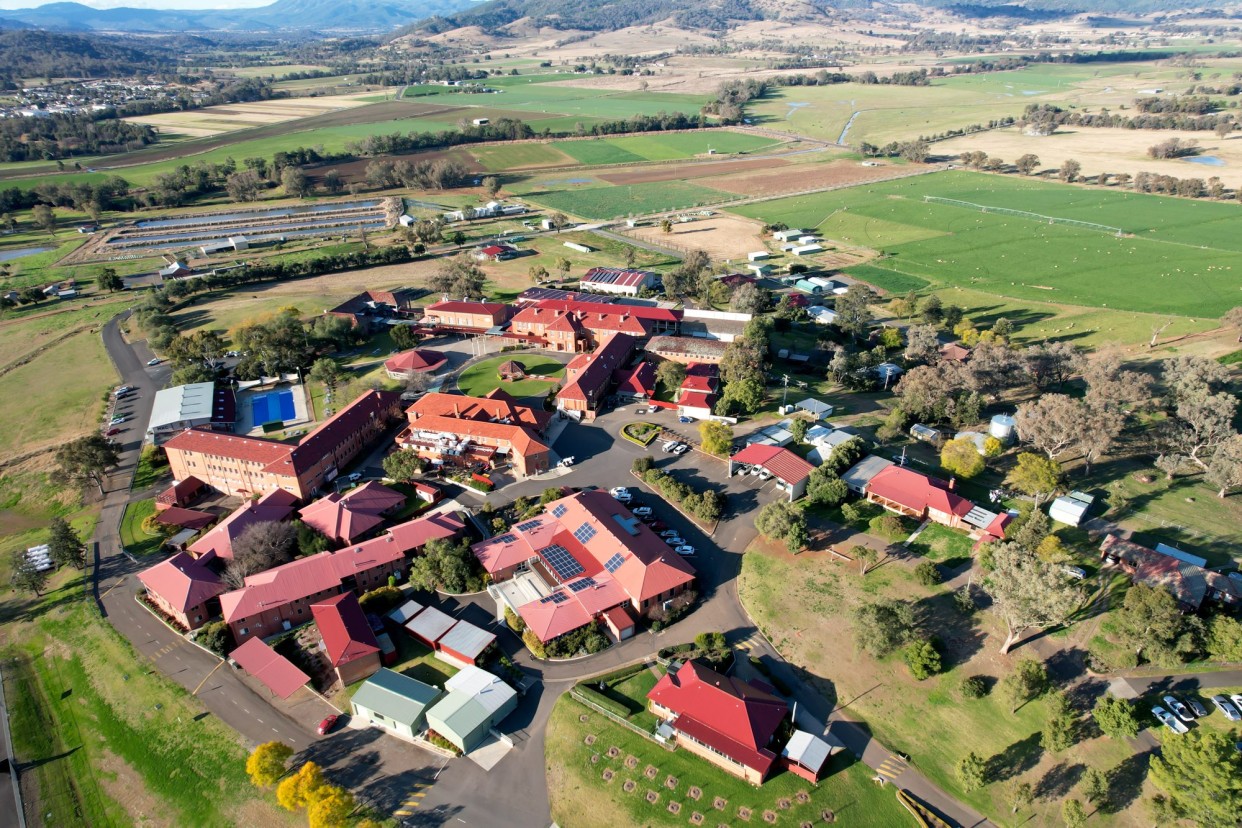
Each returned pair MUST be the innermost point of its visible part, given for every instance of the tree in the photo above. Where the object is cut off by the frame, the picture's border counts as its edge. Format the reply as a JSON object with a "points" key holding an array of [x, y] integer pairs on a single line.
{"points": [[268, 763], [1026, 592], [1095, 786], [781, 520], [491, 185], [825, 488], [330, 807], [1058, 733], [1020, 795], [1223, 641], [563, 266], [670, 374], [931, 309], [26, 576], [260, 546], [1200, 773], [538, 274], [1150, 622], [443, 565], [244, 185], [405, 336], [854, 311], [923, 659], [716, 437], [1027, 164], [64, 545], [1233, 319], [798, 428], [44, 218], [332, 182], [458, 277], [1073, 814], [109, 280], [666, 226], [403, 465], [300, 789], [865, 556], [748, 298], [215, 636], [745, 396], [1070, 169], [327, 371], [1036, 476], [961, 457], [1027, 681], [972, 772], [1224, 468], [294, 182], [845, 455], [743, 359], [86, 459], [883, 625], [922, 343], [1051, 363], [927, 573]]}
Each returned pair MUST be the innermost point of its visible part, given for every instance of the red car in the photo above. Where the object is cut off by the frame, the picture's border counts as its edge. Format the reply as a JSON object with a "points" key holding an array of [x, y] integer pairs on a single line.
{"points": [[114, 430], [326, 725], [657, 526]]}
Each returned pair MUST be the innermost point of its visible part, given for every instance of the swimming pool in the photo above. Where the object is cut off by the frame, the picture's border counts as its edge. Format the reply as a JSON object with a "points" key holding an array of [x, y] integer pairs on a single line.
{"points": [[272, 406]]}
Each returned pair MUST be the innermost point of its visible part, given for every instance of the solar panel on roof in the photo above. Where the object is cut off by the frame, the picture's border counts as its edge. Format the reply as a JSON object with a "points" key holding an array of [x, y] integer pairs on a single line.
{"points": [[614, 563], [527, 526], [561, 561], [584, 532], [559, 510], [555, 598], [506, 538], [581, 584]]}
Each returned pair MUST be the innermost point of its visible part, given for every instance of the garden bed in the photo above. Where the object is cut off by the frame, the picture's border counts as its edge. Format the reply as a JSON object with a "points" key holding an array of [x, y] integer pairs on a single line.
{"points": [[644, 434]]}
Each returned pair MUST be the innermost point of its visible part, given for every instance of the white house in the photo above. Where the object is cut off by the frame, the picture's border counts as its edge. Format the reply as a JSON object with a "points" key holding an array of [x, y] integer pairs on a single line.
{"points": [[1070, 509]]}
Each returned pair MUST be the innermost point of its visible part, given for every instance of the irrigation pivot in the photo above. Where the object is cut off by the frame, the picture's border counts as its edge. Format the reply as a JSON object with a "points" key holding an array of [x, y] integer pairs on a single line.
{"points": [[1007, 211]]}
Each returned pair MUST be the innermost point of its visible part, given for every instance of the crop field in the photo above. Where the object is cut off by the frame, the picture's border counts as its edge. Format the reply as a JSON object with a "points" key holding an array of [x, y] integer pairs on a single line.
{"points": [[1176, 256], [595, 102], [214, 120], [503, 157], [656, 147], [600, 203]]}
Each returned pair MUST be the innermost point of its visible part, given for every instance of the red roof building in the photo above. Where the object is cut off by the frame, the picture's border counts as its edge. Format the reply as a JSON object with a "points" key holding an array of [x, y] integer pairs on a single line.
{"points": [[791, 470], [413, 535], [729, 722], [594, 555], [185, 518], [617, 280], [588, 376], [277, 673], [454, 430], [344, 518], [276, 505], [347, 637], [636, 383], [580, 326], [181, 493], [468, 317], [184, 588], [406, 364], [907, 492]]}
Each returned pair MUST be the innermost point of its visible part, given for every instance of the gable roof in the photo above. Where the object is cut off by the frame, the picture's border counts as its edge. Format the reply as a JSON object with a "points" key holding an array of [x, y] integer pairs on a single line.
{"points": [[917, 491], [1184, 581], [185, 518], [346, 634], [277, 673], [348, 516], [493, 408], [734, 717], [638, 380], [617, 276], [597, 368], [182, 581], [780, 461], [453, 306], [396, 696], [273, 506], [414, 534]]}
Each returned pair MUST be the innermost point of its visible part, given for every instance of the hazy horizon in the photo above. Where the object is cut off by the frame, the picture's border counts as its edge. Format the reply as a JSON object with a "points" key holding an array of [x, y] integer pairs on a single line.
{"points": [[178, 5]]}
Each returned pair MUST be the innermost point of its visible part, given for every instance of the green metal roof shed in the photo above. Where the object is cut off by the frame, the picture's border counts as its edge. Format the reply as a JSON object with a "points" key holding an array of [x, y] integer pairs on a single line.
{"points": [[394, 702]]}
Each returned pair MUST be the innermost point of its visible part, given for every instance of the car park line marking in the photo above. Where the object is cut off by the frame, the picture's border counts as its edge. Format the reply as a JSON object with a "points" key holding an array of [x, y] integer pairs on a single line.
{"points": [[114, 586]]}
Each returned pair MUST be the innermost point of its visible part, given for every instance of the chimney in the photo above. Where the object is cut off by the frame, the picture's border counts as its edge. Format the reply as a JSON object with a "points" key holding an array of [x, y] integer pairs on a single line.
{"points": [[952, 483], [456, 413]]}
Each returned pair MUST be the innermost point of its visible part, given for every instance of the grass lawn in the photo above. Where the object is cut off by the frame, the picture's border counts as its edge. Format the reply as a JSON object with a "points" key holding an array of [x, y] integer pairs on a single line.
{"points": [[483, 377], [152, 465], [1175, 258], [929, 720], [940, 543], [135, 539], [636, 199], [580, 796]]}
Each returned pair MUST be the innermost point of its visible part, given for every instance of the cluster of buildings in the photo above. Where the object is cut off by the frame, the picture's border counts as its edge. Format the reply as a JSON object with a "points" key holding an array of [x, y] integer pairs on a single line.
{"points": [[1185, 576], [71, 98]]}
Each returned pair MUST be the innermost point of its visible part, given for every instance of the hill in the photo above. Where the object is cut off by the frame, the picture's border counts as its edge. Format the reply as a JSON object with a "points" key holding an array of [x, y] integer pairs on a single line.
{"points": [[310, 15]]}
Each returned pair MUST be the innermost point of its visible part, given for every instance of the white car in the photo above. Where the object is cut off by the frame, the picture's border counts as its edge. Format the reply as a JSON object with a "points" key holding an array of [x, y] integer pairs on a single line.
{"points": [[619, 491], [1180, 710], [567, 462], [124, 389], [1223, 705], [668, 533], [119, 419], [669, 446], [154, 361], [764, 474], [642, 511], [1237, 701], [1169, 720], [684, 550], [354, 477], [675, 541], [682, 448]]}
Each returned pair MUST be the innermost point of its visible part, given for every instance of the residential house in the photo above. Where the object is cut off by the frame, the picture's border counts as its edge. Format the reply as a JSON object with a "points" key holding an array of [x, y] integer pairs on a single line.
{"points": [[348, 641], [394, 702], [954, 352], [185, 588], [454, 430], [790, 470], [589, 376], [346, 517], [731, 723], [915, 495], [860, 474], [494, 252], [1184, 576], [619, 281]]}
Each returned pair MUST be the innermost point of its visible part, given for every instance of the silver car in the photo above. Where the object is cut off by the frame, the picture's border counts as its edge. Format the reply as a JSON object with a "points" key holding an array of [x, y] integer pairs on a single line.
{"points": [[1180, 710], [1168, 720], [1223, 704]]}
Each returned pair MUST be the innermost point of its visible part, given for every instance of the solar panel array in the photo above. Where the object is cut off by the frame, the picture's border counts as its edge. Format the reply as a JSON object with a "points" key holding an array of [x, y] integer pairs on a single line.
{"points": [[559, 510], [528, 525], [555, 598], [506, 539], [614, 563], [581, 584], [561, 561], [584, 533]]}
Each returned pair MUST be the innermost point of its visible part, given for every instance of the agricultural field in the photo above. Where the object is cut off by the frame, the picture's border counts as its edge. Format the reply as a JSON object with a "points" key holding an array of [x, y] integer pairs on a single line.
{"points": [[213, 120], [505, 157], [598, 203], [1173, 256], [658, 147]]}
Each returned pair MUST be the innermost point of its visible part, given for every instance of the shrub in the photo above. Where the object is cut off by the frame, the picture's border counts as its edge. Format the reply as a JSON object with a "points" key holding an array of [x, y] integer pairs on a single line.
{"points": [[923, 659], [533, 644], [642, 465], [440, 742], [974, 687], [888, 526], [381, 599], [216, 637], [927, 573], [514, 621]]}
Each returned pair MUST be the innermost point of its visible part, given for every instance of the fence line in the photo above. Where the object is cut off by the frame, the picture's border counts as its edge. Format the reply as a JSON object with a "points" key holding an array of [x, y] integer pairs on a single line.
{"points": [[578, 697], [1008, 211]]}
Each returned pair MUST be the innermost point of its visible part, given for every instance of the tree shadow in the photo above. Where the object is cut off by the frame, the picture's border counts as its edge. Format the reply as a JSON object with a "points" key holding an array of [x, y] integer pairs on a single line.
{"points": [[1125, 782], [1059, 780], [961, 637], [1015, 760]]}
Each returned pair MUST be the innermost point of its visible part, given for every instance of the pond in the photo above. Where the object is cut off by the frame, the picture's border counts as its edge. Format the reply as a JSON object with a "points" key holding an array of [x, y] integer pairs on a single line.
{"points": [[1207, 160], [20, 252]]}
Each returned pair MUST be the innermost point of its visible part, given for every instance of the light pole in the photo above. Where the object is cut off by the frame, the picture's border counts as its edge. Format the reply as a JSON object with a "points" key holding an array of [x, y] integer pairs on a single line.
{"points": [[785, 398]]}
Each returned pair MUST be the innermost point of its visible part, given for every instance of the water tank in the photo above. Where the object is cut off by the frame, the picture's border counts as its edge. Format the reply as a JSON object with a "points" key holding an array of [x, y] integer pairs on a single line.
{"points": [[1002, 428]]}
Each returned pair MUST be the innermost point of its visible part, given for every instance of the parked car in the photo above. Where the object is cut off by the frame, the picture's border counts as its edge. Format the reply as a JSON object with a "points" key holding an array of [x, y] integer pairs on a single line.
{"points": [[764, 474], [113, 431], [567, 462], [1168, 720], [668, 533], [669, 446], [658, 526], [675, 541], [619, 491], [354, 477], [642, 511], [1237, 702], [124, 389], [1180, 710], [682, 448], [1223, 704], [684, 550], [685, 419], [154, 361], [118, 419], [326, 725], [1075, 572], [1196, 706]]}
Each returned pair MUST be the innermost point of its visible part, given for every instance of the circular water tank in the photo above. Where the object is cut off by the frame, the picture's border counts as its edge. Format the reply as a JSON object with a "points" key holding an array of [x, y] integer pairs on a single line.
{"points": [[1002, 427]]}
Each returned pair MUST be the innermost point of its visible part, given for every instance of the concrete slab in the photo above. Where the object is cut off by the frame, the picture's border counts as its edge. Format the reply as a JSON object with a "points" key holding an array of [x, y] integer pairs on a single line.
{"points": [[489, 754]]}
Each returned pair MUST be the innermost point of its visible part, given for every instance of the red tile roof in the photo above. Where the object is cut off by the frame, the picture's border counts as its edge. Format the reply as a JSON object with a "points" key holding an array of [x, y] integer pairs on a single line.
{"points": [[781, 462], [273, 506], [489, 308], [352, 515], [916, 491], [414, 534], [182, 581], [596, 370], [650, 312], [697, 399], [735, 718], [249, 449], [276, 672], [346, 634], [615, 318], [418, 360], [549, 618], [640, 380], [494, 407], [185, 518]]}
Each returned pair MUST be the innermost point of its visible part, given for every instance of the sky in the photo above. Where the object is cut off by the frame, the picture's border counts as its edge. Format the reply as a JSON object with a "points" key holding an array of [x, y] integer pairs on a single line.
{"points": [[146, 4]]}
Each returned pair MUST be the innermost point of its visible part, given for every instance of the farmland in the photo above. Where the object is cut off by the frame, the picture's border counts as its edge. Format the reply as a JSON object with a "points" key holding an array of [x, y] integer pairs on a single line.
{"points": [[640, 199], [661, 147], [1175, 256]]}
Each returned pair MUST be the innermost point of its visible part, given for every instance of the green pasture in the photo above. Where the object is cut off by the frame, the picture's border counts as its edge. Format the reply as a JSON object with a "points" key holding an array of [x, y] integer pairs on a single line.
{"points": [[637, 199], [598, 103], [503, 157], [1176, 256], [661, 147]]}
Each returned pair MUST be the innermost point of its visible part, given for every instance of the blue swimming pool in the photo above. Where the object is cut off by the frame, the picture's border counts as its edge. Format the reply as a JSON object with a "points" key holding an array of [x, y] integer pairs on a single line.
{"points": [[272, 406]]}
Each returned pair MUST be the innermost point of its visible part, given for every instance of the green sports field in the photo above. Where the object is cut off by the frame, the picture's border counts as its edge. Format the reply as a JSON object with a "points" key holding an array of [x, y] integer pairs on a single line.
{"points": [[1176, 256], [600, 203]]}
